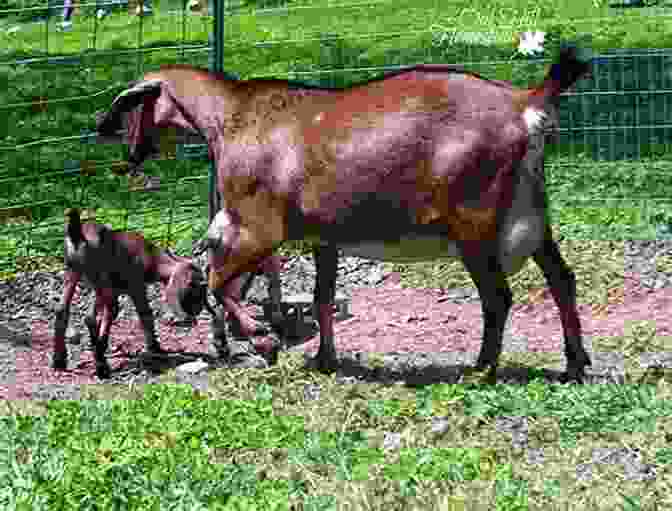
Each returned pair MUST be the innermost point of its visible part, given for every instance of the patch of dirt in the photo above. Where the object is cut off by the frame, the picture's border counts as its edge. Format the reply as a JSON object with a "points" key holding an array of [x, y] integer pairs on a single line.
{"points": [[385, 319]]}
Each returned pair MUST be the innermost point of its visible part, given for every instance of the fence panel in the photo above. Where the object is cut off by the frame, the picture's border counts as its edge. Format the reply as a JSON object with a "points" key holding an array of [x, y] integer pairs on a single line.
{"points": [[54, 82]]}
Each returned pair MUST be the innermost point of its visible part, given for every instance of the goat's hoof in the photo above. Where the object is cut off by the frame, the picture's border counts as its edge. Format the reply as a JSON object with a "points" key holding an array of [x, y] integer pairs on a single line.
{"points": [[325, 365], [103, 371], [573, 374], [243, 355], [269, 350], [248, 361], [479, 374], [59, 361], [486, 360], [482, 365]]}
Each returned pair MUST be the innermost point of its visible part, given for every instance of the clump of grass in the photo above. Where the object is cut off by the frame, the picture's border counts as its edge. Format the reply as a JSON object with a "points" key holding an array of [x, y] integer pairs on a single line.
{"points": [[255, 436]]}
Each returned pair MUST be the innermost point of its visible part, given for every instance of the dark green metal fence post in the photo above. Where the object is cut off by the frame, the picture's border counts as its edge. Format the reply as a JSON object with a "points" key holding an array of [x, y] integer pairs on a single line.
{"points": [[217, 66]]}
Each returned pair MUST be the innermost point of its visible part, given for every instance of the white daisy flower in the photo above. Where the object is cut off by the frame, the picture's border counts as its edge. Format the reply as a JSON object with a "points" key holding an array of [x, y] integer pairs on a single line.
{"points": [[531, 43]]}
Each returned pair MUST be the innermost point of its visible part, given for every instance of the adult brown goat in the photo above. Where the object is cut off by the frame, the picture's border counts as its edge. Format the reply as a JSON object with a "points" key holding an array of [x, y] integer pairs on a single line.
{"points": [[428, 162]]}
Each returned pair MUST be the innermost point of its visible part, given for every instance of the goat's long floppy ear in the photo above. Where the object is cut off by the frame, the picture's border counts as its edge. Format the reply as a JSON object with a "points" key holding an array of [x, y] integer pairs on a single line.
{"points": [[109, 123]]}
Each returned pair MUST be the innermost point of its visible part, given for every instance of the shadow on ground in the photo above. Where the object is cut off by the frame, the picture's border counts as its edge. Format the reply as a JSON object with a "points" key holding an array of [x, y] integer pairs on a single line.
{"points": [[418, 369]]}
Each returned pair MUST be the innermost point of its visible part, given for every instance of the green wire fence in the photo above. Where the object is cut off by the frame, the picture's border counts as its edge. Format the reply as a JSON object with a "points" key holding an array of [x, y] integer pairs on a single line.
{"points": [[609, 174]]}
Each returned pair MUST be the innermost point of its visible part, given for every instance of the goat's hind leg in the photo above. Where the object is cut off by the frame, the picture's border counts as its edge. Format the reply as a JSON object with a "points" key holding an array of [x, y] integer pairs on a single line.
{"points": [[100, 332], [562, 284], [60, 355], [496, 297], [326, 267], [91, 320]]}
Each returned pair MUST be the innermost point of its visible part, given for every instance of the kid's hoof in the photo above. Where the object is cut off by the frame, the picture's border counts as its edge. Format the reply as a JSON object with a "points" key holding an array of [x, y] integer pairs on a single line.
{"points": [[574, 374], [103, 371], [242, 355], [475, 374], [485, 361], [59, 361], [251, 362]]}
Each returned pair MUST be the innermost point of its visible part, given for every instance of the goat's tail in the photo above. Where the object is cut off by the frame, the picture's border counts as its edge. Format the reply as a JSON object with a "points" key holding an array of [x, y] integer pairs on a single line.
{"points": [[74, 228], [571, 64]]}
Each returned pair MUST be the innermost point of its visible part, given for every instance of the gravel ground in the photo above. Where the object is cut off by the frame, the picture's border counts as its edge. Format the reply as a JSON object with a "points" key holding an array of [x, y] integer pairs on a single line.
{"points": [[35, 296]]}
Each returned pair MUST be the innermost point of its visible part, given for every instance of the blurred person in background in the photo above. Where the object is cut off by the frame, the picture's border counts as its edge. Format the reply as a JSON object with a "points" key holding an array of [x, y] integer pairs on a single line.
{"points": [[101, 11]]}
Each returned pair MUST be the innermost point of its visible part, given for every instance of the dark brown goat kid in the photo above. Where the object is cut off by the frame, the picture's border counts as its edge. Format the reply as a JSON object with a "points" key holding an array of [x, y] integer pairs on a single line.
{"points": [[428, 162], [116, 263]]}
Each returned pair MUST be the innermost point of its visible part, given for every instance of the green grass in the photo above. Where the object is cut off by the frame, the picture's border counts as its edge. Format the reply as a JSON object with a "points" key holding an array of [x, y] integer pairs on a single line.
{"points": [[254, 441]]}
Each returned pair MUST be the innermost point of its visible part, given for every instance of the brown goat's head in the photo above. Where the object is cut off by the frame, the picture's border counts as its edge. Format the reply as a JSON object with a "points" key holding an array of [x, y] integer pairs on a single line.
{"points": [[150, 117]]}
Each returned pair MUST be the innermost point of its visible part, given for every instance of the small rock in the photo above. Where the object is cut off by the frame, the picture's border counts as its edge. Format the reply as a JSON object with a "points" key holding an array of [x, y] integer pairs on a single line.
{"points": [[535, 456], [194, 367], [584, 472], [392, 441], [440, 425], [311, 392]]}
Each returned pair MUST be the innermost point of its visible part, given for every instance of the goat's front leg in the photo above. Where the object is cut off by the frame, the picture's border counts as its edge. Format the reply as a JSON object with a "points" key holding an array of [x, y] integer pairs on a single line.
{"points": [[236, 248], [562, 284], [242, 324], [496, 297], [271, 268], [326, 266], [106, 299], [60, 355], [240, 352], [141, 303], [91, 320]]}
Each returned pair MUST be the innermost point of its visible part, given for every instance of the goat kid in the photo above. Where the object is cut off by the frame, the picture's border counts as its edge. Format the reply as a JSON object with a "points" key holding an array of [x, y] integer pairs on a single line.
{"points": [[116, 263], [428, 162]]}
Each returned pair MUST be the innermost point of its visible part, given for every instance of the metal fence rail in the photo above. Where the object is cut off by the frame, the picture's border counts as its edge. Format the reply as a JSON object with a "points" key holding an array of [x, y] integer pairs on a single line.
{"points": [[60, 79]]}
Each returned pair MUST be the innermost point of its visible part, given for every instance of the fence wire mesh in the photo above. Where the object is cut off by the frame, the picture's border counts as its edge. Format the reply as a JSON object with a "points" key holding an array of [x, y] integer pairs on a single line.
{"points": [[614, 126]]}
